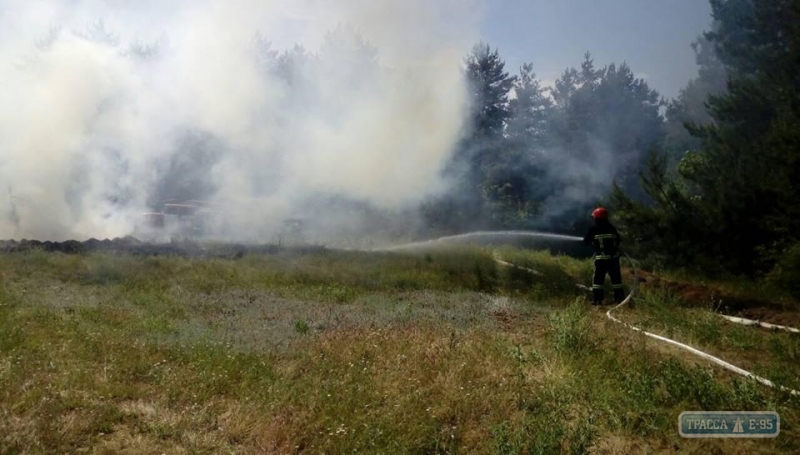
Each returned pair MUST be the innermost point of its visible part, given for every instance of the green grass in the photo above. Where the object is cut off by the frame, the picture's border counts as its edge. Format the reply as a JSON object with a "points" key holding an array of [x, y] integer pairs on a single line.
{"points": [[341, 352], [772, 354]]}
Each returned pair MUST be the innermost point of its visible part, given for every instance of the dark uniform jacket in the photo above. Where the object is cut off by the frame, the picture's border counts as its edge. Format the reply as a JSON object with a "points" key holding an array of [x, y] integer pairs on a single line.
{"points": [[605, 239]]}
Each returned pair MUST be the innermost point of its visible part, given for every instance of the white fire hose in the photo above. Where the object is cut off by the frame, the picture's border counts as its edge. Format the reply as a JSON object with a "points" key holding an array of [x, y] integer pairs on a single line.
{"points": [[765, 325], [627, 299], [695, 351]]}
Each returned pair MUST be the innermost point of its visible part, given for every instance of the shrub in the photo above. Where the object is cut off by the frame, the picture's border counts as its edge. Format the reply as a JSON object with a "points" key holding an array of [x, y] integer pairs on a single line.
{"points": [[301, 326]]}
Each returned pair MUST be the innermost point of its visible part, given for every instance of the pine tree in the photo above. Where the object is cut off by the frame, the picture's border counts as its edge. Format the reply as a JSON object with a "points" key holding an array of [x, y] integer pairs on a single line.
{"points": [[489, 86], [481, 147], [529, 110], [745, 202], [515, 184], [751, 153]]}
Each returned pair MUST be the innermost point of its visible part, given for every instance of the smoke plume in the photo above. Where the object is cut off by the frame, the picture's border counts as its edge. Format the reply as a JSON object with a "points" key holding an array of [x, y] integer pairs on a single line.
{"points": [[108, 106]]}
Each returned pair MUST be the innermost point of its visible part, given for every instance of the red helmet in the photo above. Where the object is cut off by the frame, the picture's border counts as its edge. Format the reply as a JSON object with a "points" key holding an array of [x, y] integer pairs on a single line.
{"points": [[600, 213]]}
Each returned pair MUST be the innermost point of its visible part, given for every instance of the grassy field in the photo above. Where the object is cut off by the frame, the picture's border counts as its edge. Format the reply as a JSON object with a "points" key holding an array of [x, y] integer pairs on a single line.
{"points": [[430, 352]]}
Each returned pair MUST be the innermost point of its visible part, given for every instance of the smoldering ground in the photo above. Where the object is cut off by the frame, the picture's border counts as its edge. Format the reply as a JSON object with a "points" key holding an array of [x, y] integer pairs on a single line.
{"points": [[258, 107]]}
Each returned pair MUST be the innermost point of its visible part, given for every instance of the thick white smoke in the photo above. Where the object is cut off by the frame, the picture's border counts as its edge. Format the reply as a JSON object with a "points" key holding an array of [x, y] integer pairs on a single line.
{"points": [[98, 95]]}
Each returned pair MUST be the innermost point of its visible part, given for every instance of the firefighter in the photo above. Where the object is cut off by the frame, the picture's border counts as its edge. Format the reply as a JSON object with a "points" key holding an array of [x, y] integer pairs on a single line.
{"points": [[605, 239]]}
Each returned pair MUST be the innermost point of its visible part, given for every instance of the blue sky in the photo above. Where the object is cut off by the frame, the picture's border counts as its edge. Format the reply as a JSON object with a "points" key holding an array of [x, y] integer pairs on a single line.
{"points": [[652, 36]]}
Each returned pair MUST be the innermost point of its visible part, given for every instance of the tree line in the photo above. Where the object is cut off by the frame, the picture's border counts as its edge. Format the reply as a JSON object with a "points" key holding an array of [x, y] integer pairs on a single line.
{"points": [[709, 180], [536, 157], [731, 202]]}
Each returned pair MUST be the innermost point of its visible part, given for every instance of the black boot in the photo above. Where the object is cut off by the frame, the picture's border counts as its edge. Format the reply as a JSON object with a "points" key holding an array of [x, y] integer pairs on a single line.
{"points": [[597, 296]]}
